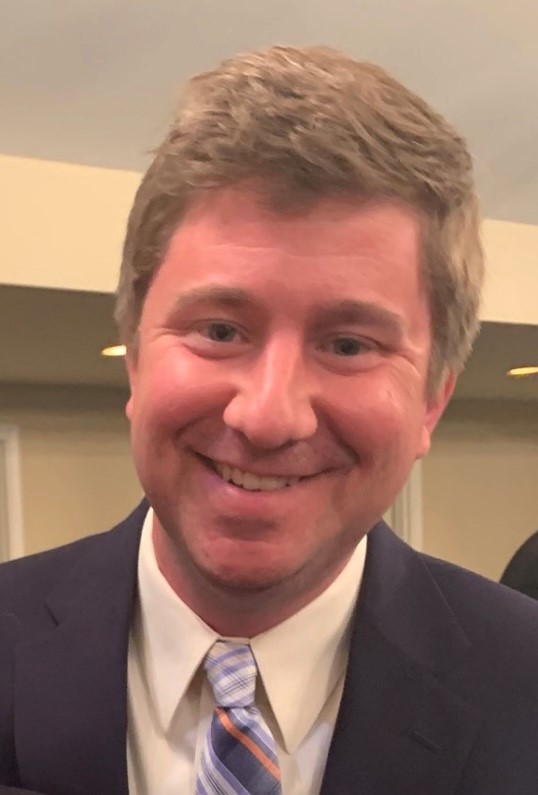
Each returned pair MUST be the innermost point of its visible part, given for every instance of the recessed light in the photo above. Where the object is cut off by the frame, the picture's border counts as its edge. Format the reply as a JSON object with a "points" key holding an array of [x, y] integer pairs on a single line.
{"points": [[114, 350], [522, 372]]}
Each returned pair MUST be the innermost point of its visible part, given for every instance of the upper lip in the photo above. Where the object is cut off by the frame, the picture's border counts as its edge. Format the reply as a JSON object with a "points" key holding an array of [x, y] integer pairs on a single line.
{"points": [[254, 469]]}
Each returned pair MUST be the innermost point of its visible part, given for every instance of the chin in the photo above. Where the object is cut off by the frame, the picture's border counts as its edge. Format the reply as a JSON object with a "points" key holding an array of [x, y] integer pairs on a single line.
{"points": [[245, 578]]}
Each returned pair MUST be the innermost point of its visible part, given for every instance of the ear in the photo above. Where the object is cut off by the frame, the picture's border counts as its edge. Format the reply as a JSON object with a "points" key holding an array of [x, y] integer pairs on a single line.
{"points": [[435, 407], [131, 364]]}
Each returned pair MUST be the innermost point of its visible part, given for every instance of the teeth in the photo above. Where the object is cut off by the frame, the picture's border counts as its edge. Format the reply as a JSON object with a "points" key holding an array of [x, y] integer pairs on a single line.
{"points": [[251, 482]]}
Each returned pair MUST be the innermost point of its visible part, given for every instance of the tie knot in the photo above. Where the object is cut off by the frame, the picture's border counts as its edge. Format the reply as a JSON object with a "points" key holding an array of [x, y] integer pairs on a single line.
{"points": [[231, 671]]}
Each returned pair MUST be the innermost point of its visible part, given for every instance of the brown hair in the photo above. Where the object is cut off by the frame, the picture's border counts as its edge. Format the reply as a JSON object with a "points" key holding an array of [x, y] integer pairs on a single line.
{"points": [[312, 122]]}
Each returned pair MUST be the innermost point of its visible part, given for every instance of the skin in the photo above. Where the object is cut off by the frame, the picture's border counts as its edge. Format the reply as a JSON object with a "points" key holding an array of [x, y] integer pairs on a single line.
{"points": [[290, 345]]}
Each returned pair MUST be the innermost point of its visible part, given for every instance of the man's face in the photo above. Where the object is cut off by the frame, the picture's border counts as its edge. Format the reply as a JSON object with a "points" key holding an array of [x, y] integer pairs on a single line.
{"points": [[278, 391]]}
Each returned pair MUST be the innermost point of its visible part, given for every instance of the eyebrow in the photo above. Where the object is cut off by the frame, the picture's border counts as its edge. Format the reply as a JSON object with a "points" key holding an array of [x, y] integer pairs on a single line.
{"points": [[232, 297], [360, 312], [342, 311]]}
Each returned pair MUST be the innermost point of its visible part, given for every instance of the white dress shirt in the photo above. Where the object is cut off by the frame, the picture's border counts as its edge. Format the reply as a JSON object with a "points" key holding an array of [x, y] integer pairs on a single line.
{"points": [[301, 664]]}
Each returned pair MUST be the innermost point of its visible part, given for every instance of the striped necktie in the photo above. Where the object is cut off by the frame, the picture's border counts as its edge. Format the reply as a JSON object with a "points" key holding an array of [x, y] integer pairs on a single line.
{"points": [[239, 756]]}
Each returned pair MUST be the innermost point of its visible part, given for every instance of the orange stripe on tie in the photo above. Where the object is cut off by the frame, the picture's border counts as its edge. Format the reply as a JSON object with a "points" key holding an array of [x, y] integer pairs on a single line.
{"points": [[254, 749]]}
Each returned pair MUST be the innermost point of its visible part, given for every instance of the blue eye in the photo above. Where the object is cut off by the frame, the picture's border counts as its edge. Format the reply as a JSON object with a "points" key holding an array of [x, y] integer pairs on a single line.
{"points": [[221, 332], [347, 346]]}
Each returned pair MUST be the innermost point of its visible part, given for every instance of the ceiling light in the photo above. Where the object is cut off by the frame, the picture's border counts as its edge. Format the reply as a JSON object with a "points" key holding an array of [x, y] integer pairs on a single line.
{"points": [[114, 350], [522, 372]]}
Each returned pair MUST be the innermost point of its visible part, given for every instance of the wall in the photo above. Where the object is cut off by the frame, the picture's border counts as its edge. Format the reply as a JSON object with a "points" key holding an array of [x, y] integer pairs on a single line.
{"points": [[480, 484], [77, 218], [76, 471]]}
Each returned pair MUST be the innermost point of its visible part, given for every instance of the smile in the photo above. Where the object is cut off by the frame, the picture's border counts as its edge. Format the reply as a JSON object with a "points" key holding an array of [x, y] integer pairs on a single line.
{"points": [[249, 481]]}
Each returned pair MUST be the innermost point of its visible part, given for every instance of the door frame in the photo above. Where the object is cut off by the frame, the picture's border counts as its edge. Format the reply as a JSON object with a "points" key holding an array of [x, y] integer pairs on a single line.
{"points": [[12, 536]]}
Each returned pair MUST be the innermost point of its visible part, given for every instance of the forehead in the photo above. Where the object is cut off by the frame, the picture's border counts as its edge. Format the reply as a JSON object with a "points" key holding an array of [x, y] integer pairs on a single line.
{"points": [[334, 253], [332, 250], [241, 217], [335, 262]]}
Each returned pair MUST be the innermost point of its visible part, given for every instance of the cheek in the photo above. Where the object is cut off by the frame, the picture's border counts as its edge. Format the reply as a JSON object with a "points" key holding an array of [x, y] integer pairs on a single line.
{"points": [[169, 393], [183, 383], [378, 423]]}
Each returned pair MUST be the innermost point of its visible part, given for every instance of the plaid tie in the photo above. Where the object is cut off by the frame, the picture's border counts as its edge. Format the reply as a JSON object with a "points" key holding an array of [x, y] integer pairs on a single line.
{"points": [[239, 756]]}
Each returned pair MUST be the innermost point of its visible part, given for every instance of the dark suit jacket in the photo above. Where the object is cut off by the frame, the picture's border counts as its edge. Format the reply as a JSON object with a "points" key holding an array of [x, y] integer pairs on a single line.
{"points": [[441, 694]]}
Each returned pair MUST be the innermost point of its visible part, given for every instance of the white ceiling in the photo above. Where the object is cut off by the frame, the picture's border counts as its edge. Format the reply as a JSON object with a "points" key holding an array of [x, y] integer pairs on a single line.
{"points": [[92, 81], [54, 337]]}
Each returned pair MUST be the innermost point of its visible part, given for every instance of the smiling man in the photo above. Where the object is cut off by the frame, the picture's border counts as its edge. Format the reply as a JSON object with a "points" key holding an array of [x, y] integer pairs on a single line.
{"points": [[278, 397], [299, 292]]}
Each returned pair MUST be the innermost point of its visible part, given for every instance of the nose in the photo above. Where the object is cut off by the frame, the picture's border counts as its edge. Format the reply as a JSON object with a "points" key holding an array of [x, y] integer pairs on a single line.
{"points": [[272, 404]]}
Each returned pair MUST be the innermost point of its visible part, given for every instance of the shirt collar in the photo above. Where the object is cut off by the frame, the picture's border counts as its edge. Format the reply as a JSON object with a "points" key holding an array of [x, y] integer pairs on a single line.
{"points": [[173, 640], [300, 661]]}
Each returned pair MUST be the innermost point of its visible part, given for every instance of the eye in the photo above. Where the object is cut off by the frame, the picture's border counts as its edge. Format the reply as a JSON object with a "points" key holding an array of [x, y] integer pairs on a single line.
{"points": [[220, 332], [348, 346]]}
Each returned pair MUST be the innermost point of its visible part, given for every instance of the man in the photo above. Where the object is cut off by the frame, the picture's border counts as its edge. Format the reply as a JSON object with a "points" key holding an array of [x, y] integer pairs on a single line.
{"points": [[299, 291], [521, 573]]}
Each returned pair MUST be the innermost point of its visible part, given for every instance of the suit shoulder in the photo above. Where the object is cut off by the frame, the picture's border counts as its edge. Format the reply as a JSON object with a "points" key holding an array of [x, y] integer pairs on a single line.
{"points": [[485, 607], [44, 567], [31, 579], [26, 583]]}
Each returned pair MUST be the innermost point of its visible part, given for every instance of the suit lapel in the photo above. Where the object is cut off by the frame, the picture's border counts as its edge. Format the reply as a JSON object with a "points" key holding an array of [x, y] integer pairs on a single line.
{"points": [[400, 728], [71, 681]]}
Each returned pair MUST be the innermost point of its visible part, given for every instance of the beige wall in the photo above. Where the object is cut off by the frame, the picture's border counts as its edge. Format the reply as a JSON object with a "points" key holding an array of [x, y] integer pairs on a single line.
{"points": [[77, 214], [480, 484], [76, 471]]}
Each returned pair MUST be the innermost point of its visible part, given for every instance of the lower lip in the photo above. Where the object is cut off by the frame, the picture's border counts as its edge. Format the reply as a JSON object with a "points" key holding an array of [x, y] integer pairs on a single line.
{"points": [[248, 503]]}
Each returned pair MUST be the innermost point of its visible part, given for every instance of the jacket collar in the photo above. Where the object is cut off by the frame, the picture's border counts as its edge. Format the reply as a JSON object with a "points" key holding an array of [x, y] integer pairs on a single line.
{"points": [[400, 727]]}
